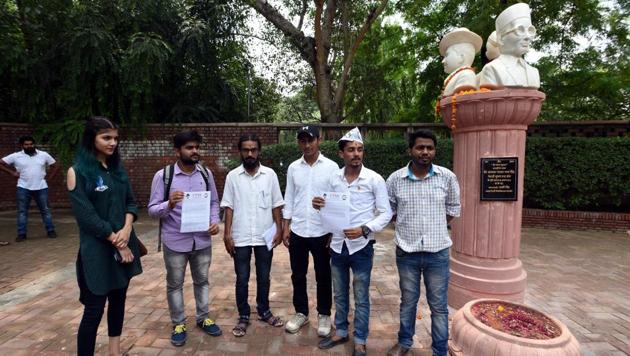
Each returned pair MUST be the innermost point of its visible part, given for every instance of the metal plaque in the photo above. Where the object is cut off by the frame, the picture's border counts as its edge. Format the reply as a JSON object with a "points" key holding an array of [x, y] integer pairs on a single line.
{"points": [[499, 178]]}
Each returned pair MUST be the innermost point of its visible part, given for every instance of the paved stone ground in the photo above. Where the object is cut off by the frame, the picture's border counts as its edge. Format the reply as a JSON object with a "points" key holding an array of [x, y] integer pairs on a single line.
{"points": [[582, 278]]}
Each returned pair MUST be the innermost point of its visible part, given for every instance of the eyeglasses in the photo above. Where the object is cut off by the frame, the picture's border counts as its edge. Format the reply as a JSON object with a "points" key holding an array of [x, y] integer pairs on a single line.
{"points": [[249, 150], [522, 30]]}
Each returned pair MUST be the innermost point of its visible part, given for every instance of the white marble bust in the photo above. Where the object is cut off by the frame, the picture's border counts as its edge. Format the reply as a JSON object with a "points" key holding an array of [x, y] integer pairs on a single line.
{"points": [[514, 34], [492, 51], [458, 48], [492, 47]]}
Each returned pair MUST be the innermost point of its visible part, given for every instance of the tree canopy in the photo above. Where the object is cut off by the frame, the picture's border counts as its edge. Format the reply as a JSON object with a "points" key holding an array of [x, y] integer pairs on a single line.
{"points": [[141, 61], [133, 60]]}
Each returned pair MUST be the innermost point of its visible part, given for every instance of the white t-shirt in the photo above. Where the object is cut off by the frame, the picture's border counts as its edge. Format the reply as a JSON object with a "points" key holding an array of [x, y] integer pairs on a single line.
{"points": [[32, 169], [252, 199]]}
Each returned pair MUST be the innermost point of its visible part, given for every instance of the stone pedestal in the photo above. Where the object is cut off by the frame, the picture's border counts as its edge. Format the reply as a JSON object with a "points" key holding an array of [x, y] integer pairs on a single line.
{"points": [[471, 337], [487, 236]]}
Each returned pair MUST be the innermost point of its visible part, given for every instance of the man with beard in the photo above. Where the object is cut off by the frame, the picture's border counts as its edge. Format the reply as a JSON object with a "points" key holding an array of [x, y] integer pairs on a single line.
{"points": [[253, 206], [353, 250], [30, 170], [424, 197], [303, 230], [194, 248]]}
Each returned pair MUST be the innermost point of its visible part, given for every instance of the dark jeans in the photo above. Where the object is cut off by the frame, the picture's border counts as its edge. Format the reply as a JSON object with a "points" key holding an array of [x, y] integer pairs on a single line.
{"points": [[299, 247], [93, 312], [360, 263], [24, 201], [242, 259], [411, 268]]}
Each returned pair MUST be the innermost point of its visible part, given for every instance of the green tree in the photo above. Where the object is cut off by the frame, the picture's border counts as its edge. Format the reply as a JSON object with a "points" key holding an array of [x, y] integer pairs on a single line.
{"points": [[583, 71], [338, 28], [134, 60]]}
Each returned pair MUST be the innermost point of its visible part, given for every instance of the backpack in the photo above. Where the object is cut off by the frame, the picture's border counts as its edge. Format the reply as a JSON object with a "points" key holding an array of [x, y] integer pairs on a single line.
{"points": [[167, 178]]}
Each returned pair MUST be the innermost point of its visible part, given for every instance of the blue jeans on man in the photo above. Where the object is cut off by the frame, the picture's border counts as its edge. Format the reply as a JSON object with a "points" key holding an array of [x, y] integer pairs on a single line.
{"points": [[360, 263], [176, 262], [24, 201], [434, 267]]}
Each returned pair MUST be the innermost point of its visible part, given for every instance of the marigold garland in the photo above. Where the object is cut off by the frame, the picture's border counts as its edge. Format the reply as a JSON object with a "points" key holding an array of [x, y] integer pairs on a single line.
{"points": [[454, 104]]}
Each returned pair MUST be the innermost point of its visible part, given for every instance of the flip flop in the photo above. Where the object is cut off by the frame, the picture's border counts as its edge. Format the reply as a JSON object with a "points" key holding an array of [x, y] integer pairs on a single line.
{"points": [[240, 329], [272, 320]]}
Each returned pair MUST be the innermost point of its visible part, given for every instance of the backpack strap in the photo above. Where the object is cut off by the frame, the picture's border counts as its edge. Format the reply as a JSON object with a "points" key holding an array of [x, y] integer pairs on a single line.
{"points": [[167, 178], [205, 175]]}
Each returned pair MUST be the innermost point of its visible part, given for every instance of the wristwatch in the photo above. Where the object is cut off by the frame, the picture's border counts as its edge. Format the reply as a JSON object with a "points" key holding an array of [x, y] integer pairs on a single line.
{"points": [[366, 231]]}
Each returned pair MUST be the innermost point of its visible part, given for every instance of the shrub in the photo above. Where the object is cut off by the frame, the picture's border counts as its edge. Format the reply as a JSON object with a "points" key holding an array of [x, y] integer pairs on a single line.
{"points": [[591, 174]]}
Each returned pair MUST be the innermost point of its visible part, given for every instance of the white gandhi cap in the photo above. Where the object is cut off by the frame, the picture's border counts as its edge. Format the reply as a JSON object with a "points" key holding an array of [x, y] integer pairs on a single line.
{"points": [[514, 12]]}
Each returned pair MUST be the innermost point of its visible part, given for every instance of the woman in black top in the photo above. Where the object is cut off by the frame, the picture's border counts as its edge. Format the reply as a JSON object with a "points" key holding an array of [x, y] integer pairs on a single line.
{"points": [[105, 210]]}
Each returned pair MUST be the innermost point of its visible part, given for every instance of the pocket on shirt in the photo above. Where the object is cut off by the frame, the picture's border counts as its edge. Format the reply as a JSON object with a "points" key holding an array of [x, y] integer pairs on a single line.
{"points": [[264, 199]]}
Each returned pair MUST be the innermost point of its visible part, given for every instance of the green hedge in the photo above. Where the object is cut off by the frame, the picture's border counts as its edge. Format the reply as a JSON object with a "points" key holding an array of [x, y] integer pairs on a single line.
{"points": [[589, 174]]}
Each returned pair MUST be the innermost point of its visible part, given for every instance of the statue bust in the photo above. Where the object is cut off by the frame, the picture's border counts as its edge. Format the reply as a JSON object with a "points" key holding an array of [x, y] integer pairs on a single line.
{"points": [[492, 51], [514, 33], [458, 48], [492, 47]]}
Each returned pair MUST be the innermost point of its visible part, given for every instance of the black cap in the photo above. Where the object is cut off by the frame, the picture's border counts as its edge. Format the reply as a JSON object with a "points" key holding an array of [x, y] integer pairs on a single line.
{"points": [[311, 130]]}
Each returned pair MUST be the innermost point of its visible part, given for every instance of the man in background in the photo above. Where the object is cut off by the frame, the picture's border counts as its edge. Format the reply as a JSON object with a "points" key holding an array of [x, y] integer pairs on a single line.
{"points": [[30, 166]]}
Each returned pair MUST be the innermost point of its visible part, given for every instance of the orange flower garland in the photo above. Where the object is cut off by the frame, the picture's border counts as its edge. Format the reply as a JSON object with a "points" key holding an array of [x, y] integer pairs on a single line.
{"points": [[454, 104]]}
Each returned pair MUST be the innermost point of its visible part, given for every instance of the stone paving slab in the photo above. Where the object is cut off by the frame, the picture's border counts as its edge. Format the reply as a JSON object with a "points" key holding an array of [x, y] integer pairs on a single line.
{"points": [[582, 278]]}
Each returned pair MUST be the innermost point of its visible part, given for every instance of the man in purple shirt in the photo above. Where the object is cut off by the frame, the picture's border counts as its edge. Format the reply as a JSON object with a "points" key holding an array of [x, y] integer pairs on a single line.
{"points": [[195, 248]]}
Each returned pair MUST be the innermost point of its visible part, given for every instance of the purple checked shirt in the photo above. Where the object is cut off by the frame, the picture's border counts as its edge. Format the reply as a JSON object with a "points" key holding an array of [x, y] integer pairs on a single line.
{"points": [[171, 218]]}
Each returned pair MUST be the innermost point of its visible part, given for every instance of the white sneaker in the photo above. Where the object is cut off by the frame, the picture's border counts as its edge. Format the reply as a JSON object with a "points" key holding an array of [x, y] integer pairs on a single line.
{"points": [[324, 327], [295, 323]]}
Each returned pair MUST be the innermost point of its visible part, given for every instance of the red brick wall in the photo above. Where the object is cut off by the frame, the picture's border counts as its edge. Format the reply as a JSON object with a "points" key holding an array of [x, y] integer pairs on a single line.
{"points": [[151, 150], [576, 220], [144, 154]]}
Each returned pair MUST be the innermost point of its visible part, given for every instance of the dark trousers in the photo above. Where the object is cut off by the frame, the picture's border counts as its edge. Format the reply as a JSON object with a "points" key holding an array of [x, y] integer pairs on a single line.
{"points": [[94, 307], [299, 248], [242, 258]]}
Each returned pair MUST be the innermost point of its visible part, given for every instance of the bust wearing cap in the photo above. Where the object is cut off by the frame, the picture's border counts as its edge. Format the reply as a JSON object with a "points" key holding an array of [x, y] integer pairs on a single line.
{"points": [[458, 48], [514, 33], [492, 47]]}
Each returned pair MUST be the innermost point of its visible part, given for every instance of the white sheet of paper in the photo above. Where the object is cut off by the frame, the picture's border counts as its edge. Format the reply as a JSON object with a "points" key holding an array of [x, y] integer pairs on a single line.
{"points": [[268, 236], [195, 212], [336, 212]]}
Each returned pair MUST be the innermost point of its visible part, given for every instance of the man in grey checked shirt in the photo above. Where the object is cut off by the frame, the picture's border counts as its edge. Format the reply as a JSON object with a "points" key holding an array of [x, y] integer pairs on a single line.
{"points": [[425, 198]]}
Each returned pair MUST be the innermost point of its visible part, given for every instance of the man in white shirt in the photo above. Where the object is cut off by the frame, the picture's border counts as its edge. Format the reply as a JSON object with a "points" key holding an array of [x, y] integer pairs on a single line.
{"points": [[303, 231], [370, 212], [30, 169], [253, 204]]}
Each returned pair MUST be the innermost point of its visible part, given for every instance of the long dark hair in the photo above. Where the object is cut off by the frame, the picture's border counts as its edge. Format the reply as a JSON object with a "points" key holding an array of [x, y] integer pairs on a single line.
{"points": [[86, 162]]}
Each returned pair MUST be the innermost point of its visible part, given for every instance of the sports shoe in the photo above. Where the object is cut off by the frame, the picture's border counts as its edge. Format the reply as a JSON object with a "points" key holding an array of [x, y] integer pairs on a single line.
{"points": [[52, 234], [209, 327], [179, 336], [324, 327], [296, 322], [20, 238]]}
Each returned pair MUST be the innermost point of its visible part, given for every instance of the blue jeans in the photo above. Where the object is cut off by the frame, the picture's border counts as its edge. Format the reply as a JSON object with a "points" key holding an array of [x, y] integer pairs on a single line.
{"points": [[24, 201], [242, 258], [176, 262], [411, 267], [361, 264]]}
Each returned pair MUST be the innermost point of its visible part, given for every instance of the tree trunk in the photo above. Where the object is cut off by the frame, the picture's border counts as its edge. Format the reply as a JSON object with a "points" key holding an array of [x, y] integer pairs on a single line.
{"points": [[315, 51]]}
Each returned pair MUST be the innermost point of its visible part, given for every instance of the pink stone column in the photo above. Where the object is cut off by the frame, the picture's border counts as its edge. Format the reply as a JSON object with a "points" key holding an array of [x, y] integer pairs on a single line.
{"points": [[487, 236]]}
